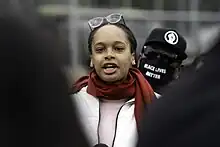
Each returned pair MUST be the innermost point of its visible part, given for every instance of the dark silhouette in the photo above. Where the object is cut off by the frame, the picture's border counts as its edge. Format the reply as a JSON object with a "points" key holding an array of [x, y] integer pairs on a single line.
{"points": [[35, 107]]}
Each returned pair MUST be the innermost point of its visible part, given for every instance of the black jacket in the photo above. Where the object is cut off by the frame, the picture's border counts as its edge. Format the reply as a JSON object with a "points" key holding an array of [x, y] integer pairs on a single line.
{"points": [[188, 115]]}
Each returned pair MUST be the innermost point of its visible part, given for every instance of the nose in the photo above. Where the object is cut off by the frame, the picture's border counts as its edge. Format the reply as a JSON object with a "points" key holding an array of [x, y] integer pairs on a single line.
{"points": [[110, 54]]}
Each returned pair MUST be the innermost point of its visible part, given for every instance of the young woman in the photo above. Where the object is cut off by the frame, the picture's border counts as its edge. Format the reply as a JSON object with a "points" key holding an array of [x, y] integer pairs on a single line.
{"points": [[112, 97]]}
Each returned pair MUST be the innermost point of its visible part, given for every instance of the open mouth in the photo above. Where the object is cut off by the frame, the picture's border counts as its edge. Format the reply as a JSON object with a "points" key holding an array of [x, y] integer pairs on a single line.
{"points": [[110, 68]]}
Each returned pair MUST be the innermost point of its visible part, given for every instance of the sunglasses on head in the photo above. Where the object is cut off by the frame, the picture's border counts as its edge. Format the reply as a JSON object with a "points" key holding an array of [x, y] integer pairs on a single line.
{"points": [[111, 19], [147, 50]]}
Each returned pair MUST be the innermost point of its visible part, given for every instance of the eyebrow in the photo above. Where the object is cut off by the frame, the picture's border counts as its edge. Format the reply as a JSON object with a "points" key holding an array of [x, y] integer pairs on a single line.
{"points": [[99, 44], [119, 42], [115, 42]]}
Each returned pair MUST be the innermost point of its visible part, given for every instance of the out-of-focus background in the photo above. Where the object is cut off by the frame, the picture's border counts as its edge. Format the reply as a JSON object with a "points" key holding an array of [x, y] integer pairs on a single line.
{"points": [[197, 20]]}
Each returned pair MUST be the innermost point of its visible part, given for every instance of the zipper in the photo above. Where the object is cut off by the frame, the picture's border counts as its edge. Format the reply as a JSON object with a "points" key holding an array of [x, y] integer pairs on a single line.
{"points": [[116, 123]]}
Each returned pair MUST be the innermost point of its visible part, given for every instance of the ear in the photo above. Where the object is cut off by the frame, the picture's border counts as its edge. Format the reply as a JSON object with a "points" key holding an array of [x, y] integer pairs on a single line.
{"points": [[133, 59]]}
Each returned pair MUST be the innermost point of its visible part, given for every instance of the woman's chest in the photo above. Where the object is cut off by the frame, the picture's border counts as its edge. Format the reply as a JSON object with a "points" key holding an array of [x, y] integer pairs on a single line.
{"points": [[112, 124]]}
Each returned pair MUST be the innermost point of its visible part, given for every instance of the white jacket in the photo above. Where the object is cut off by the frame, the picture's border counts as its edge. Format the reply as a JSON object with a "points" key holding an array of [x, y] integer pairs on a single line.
{"points": [[88, 110]]}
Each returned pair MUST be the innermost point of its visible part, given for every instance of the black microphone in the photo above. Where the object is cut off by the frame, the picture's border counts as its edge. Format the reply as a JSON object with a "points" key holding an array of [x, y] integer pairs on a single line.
{"points": [[100, 145]]}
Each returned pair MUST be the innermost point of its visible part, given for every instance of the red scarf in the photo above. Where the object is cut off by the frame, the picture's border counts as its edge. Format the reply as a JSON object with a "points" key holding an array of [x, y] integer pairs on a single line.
{"points": [[134, 87]]}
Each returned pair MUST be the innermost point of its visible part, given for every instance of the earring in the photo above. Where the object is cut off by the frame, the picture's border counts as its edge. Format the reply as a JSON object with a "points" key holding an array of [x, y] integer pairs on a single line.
{"points": [[91, 64], [177, 77], [176, 74], [133, 62]]}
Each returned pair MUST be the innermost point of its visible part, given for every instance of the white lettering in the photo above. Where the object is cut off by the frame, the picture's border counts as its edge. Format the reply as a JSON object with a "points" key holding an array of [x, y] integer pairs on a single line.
{"points": [[150, 67], [160, 70], [152, 75]]}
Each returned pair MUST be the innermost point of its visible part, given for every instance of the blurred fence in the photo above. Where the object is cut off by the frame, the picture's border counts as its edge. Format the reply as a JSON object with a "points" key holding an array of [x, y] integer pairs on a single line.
{"points": [[188, 22]]}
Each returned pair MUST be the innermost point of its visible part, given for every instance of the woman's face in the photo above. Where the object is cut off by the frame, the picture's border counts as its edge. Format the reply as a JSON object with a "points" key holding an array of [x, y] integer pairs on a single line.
{"points": [[111, 54]]}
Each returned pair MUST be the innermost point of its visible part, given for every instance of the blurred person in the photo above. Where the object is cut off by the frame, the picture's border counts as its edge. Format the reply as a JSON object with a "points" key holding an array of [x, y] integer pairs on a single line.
{"points": [[161, 58], [188, 114], [35, 107], [112, 97]]}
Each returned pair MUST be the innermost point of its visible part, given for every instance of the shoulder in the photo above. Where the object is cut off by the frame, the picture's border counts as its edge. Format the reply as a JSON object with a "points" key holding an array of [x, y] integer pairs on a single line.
{"points": [[82, 95], [84, 100], [81, 92]]}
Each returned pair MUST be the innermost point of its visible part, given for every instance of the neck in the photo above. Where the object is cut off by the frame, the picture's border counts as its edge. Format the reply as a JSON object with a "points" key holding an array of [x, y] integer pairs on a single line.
{"points": [[117, 82]]}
